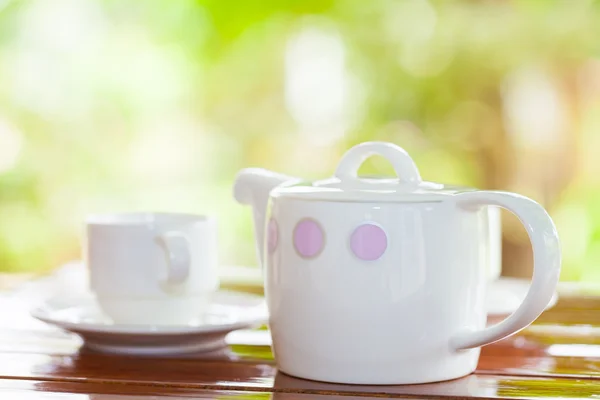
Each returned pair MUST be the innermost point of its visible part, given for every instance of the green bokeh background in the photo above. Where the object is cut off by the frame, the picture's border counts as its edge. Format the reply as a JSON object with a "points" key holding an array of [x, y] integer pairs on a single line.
{"points": [[155, 105]]}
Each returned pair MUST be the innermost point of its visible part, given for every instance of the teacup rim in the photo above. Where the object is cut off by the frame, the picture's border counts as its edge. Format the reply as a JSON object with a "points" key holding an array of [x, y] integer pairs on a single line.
{"points": [[140, 218]]}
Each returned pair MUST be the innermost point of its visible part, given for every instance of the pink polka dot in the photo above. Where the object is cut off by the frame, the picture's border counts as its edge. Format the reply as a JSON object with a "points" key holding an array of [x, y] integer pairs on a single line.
{"points": [[368, 242], [309, 238], [272, 235]]}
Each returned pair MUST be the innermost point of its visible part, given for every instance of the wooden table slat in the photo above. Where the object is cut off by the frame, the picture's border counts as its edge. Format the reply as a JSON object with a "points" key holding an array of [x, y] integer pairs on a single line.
{"points": [[47, 390], [226, 376]]}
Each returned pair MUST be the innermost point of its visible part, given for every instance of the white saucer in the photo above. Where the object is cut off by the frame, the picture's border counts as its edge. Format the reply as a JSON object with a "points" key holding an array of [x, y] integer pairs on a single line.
{"points": [[228, 311], [505, 295]]}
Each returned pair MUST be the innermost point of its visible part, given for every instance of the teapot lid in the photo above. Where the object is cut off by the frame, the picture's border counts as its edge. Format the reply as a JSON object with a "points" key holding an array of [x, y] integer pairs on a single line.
{"points": [[347, 186]]}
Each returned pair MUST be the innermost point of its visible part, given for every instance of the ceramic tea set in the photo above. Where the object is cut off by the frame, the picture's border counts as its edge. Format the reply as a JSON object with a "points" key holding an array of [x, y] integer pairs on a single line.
{"points": [[154, 288], [367, 280]]}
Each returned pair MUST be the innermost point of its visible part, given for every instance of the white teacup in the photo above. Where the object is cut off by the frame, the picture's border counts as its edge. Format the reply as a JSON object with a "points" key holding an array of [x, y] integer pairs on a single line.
{"points": [[152, 268]]}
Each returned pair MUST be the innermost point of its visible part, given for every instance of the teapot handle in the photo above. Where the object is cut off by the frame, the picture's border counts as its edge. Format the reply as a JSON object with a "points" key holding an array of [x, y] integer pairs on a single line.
{"points": [[404, 166], [546, 265]]}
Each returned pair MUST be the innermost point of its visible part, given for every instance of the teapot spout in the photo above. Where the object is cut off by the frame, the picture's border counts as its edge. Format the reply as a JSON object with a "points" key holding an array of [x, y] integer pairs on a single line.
{"points": [[252, 187]]}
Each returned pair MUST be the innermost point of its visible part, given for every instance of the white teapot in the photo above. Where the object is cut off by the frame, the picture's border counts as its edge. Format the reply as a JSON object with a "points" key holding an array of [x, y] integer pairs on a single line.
{"points": [[381, 281]]}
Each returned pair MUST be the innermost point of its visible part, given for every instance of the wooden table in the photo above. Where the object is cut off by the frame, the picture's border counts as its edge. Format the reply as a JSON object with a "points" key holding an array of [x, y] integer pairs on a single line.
{"points": [[554, 358]]}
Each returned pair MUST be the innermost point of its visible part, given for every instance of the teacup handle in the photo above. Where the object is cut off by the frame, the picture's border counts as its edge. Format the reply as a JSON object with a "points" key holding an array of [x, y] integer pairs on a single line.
{"points": [[177, 249], [403, 164], [546, 265]]}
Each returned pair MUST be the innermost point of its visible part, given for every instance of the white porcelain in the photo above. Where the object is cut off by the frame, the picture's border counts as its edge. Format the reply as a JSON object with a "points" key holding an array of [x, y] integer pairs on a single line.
{"points": [[254, 185], [380, 280], [226, 312], [152, 268]]}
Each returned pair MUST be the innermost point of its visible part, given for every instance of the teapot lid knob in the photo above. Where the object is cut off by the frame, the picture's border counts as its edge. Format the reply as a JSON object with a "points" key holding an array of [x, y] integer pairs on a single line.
{"points": [[403, 164]]}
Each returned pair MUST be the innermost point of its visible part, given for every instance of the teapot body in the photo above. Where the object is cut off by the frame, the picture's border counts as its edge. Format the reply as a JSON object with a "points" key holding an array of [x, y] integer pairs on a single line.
{"points": [[342, 281]]}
